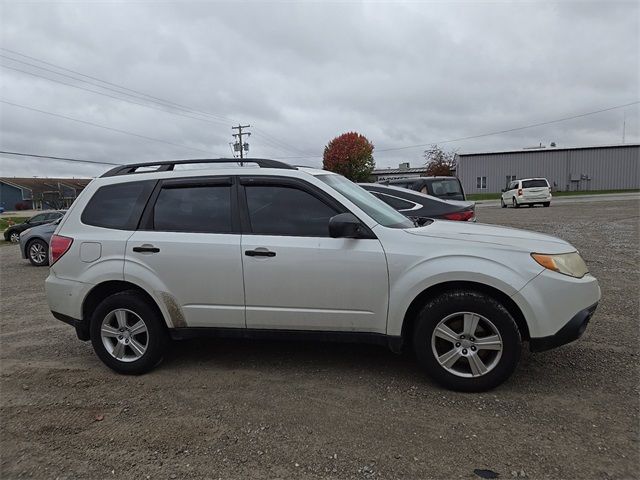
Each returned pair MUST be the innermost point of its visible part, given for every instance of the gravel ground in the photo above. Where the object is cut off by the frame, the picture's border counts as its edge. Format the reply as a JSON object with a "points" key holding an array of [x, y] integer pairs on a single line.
{"points": [[242, 409]]}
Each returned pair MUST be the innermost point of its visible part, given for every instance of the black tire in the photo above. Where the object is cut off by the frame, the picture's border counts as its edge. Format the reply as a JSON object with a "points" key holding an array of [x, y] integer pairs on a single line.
{"points": [[12, 236], [157, 339], [448, 304], [546, 204], [515, 203], [35, 257], [502, 204]]}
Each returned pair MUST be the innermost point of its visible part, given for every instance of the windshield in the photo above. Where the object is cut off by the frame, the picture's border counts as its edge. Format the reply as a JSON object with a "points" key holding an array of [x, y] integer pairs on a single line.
{"points": [[372, 206]]}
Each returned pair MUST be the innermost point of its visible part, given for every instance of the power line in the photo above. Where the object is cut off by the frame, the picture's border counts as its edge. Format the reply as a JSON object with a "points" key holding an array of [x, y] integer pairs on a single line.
{"points": [[124, 132], [240, 144], [64, 159], [509, 130], [275, 142]]}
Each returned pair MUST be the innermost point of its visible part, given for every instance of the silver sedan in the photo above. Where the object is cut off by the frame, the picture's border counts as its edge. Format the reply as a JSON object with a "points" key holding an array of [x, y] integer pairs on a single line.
{"points": [[34, 243]]}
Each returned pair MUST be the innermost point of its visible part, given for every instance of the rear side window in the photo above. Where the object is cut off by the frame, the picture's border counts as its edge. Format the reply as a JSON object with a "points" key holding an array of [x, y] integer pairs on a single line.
{"points": [[200, 209], [541, 182], [280, 210], [395, 202], [117, 206]]}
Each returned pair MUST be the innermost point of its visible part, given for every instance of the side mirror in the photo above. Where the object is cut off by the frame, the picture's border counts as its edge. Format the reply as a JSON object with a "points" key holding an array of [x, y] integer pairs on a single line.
{"points": [[346, 225]]}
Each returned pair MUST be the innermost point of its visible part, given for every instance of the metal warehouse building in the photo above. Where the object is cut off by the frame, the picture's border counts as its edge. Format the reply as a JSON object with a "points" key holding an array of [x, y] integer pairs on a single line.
{"points": [[613, 167]]}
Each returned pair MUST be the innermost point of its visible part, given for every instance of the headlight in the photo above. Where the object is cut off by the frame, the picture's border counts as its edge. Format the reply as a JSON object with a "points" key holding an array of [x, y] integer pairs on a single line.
{"points": [[570, 264]]}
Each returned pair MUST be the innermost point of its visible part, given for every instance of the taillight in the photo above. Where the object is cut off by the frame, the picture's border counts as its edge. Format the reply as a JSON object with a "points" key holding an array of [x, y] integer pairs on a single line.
{"points": [[58, 246], [519, 192], [464, 216]]}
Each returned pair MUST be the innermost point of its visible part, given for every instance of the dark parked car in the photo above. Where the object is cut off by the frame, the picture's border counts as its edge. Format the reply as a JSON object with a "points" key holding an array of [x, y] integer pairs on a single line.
{"points": [[12, 234], [447, 188], [34, 243], [420, 207]]}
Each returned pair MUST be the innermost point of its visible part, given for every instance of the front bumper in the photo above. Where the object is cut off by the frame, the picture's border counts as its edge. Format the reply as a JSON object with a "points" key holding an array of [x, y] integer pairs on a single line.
{"points": [[571, 331]]}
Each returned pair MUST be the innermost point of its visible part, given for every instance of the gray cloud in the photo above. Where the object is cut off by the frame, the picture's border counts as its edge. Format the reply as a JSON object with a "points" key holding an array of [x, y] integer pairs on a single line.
{"points": [[303, 72]]}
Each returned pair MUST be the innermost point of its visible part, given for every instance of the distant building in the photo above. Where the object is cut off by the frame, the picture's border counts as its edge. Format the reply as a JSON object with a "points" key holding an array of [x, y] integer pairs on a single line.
{"points": [[614, 167], [39, 193], [403, 171]]}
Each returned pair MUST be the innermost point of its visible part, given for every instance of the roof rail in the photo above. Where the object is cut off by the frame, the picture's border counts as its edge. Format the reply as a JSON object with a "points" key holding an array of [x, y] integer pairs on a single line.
{"points": [[169, 165]]}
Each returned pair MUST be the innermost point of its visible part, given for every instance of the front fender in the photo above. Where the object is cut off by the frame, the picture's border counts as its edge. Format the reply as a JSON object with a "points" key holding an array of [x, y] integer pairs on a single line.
{"points": [[459, 268]]}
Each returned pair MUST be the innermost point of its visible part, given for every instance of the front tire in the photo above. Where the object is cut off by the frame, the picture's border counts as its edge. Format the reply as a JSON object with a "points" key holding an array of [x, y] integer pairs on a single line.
{"points": [[502, 204], [467, 341], [14, 237], [128, 334], [546, 204], [38, 253]]}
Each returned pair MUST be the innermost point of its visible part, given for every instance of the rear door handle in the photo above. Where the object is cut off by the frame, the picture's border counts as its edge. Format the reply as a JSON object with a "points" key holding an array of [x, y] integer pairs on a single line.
{"points": [[146, 249], [259, 253]]}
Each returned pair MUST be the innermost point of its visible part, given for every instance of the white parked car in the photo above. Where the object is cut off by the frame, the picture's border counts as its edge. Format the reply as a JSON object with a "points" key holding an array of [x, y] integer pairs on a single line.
{"points": [[527, 191], [267, 249]]}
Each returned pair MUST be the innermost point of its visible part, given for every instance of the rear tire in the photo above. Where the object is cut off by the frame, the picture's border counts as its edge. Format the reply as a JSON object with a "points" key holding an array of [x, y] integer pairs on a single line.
{"points": [[450, 355], [38, 252], [127, 333]]}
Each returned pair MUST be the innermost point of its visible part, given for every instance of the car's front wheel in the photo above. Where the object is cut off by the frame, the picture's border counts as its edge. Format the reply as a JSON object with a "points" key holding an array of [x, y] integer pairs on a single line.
{"points": [[14, 237], [467, 341], [502, 204], [546, 204], [127, 333], [38, 252]]}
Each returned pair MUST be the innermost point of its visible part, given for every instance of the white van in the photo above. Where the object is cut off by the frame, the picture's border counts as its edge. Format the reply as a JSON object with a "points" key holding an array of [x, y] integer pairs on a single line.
{"points": [[526, 191]]}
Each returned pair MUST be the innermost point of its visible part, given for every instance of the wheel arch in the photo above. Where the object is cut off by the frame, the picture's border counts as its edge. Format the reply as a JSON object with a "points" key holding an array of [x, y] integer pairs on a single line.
{"points": [[110, 287], [434, 290]]}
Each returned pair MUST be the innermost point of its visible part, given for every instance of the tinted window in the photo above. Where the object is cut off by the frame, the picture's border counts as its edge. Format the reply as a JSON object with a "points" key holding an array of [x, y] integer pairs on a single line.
{"points": [[117, 206], [38, 218], [534, 183], [204, 209], [446, 188], [395, 202], [276, 210]]}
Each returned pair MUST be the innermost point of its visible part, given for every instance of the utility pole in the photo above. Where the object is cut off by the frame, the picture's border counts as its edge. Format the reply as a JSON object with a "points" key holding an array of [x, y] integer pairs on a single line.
{"points": [[241, 146]]}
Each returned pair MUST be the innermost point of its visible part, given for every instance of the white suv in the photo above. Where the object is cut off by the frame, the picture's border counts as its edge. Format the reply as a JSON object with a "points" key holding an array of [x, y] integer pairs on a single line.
{"points": [[266, 249], [527, 191]]}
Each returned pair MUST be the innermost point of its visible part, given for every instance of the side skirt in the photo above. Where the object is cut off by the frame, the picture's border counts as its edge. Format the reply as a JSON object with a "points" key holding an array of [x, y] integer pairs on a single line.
{"points": [[392, 342]]}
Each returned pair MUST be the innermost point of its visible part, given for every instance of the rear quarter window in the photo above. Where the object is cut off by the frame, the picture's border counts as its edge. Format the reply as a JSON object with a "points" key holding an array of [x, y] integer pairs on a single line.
{"points": [[117, 206]]}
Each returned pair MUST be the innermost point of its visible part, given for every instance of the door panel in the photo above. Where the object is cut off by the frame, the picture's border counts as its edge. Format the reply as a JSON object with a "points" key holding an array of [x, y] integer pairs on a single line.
{"points": [[201, 272], [329, 284]]}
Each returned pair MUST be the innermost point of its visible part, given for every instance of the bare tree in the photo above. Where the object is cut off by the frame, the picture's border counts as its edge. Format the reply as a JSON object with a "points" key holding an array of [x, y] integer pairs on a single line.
{"points": [[439, 162]]}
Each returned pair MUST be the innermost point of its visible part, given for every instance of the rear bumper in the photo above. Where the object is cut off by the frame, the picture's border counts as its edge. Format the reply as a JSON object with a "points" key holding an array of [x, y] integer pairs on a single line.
{"points": [[82, 328], [571, 331]]}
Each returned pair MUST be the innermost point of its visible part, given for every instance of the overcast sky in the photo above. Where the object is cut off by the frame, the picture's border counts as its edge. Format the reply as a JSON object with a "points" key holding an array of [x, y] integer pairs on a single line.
{"points": [[301, 73]]}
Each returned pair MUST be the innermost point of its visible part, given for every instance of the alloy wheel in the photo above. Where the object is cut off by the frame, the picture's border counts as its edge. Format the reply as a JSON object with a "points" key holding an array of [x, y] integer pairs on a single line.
{"points": [[466, 344], [37, 252], [14, 237], [124, 335]]}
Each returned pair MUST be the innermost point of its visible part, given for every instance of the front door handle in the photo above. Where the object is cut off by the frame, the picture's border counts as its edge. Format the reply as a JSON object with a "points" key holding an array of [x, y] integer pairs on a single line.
{"points": [[146, 249], [259, 253]]}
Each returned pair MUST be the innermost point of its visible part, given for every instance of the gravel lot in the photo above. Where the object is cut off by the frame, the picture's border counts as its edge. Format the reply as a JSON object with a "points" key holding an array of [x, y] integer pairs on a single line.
{"points": [[241, 409]]}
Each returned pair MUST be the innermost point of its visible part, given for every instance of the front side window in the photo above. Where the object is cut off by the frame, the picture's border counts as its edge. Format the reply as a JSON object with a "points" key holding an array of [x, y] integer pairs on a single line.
{"points": [[284, 210], [196, 209], [372, 206], [117, 206], [38, 218]]}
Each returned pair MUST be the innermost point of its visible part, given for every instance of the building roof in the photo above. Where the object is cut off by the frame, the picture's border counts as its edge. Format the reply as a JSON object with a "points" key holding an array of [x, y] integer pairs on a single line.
{"points": [[549, 149], [39, 185], [382, 171]]}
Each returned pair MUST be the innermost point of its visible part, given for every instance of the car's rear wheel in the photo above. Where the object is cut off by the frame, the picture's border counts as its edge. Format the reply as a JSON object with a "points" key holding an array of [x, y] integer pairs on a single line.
{"points": [[38, 252], [515, 203], [127, 333], [467, 341]]}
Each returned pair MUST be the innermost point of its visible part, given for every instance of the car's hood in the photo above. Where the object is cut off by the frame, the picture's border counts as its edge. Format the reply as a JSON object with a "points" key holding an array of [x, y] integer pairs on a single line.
{"points": [[523, 240]]}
